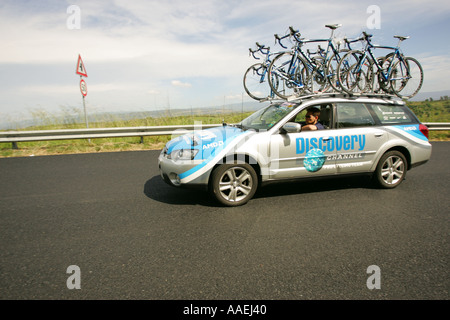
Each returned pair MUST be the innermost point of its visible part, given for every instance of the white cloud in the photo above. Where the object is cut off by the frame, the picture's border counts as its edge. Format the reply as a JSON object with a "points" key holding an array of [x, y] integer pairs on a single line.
{"points": [[178, 83], [48, 89], [435, 69]]}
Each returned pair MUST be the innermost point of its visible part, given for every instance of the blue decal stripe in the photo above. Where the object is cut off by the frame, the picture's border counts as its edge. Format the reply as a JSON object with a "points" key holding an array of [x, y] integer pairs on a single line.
{"points": [[211, 160], [193, 170], [415, 133]]}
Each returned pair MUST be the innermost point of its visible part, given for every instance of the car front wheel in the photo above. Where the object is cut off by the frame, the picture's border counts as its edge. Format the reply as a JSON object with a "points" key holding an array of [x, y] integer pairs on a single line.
{"points": [[234, 184], [391, 169]]}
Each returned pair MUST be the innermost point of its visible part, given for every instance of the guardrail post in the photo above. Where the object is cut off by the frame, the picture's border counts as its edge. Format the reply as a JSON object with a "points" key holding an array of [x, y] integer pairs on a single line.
{"points": [[14, 145], [142, 139]]}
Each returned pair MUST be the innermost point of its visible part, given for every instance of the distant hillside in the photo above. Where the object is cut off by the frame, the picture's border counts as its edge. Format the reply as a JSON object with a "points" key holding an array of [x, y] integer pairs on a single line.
{"points": [[431, 111], [435, 95], [441, 114], [44, 118]]}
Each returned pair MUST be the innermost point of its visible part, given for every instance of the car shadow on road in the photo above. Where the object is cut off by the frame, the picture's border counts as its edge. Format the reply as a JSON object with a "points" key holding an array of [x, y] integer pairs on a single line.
{"points": [[311, 186], [156, 189]]}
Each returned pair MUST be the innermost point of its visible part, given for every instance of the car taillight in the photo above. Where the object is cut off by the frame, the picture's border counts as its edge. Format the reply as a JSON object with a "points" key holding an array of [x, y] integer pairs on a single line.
{"points": [[424, 129]]}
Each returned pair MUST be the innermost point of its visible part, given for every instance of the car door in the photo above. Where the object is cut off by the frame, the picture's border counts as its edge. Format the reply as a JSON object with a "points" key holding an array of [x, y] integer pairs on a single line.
{"points": [[305, 153], [358, 139]]}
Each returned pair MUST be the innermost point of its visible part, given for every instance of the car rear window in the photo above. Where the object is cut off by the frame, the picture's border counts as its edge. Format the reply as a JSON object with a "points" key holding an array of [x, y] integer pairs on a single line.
{"points": [[393, 114], [353, 115]]}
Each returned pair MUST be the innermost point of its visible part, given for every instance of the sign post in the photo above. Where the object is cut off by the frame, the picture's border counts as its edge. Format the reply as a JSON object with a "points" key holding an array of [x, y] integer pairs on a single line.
{"points": [[83, 89], [81, 70]]}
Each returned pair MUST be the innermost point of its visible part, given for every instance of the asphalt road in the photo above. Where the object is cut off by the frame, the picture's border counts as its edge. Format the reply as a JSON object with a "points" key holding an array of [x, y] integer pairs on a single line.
{"points": [[134, 237]]}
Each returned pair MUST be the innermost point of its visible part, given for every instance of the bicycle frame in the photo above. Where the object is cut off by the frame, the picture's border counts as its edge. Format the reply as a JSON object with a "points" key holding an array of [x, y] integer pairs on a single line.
{"points": [[368, 51], [291, 70], [331, 52], [311, 64], [298, 52]]}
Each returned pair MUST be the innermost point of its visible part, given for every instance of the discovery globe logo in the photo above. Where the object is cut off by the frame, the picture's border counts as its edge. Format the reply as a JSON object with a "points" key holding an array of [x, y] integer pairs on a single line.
{"points": [[314, 160]]}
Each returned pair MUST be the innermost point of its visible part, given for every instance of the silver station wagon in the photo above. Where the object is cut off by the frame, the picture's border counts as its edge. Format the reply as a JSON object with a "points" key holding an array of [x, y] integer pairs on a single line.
{"points": [[313, 136]]}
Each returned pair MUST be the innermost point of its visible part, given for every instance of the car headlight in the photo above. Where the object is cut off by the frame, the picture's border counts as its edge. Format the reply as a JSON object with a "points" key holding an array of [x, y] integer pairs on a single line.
{"points": [[183, 154]]}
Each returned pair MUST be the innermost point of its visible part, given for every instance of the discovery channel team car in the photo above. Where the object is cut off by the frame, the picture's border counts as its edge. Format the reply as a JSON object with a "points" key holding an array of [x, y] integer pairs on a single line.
{"points": [[366, 134]]}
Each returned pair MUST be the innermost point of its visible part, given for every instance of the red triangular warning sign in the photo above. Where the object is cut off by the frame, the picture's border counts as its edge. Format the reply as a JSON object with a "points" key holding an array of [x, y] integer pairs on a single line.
{"points": [[81, 70]]}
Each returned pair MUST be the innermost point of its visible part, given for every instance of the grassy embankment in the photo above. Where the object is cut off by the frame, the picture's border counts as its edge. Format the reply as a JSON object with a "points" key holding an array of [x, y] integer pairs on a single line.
{"points": [[433, 111], [106, 144], [426, 111]]}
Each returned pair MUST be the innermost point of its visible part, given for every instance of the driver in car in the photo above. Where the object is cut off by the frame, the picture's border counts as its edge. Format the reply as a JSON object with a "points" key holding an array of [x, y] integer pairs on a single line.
{"points": [[311, 120]]}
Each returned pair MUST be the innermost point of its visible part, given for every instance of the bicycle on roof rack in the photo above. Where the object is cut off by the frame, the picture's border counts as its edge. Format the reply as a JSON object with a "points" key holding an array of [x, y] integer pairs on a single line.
{"points": [[361, 71], [289, 69], [294, 72], [255, 76], [299, 73], [328, 59]]}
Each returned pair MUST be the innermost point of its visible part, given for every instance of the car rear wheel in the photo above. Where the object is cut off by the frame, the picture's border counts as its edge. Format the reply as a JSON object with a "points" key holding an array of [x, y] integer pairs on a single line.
{"points": [[234, 184], [391, 169]]}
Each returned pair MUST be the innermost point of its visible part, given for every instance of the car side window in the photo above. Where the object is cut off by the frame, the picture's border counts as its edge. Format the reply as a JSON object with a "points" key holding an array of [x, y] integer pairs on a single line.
{"points": [[350, 115], [326, 114], [325, 117]]}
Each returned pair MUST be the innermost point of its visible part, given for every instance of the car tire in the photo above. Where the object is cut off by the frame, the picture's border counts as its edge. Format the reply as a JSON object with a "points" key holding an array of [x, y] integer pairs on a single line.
{"points": [[391, 170], [233, 184]]}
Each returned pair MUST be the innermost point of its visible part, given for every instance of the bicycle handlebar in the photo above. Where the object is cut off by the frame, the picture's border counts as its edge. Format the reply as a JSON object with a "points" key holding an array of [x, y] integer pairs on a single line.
{"points": [[261, 48], [366, 36], [348, 41], [295, 33], [278, 39], [292, 33]]}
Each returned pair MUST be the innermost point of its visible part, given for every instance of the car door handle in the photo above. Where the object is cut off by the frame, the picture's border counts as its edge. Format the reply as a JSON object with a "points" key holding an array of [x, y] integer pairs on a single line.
{"points": [[379, 134], [326, 138]]}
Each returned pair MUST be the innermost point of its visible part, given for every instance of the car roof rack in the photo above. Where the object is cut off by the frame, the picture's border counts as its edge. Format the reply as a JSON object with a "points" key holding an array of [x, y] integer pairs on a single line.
{"points": [[319, 95], [341, 95]]}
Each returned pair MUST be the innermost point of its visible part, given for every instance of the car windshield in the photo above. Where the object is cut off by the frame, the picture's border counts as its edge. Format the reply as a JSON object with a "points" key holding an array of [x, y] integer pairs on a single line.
{"points": [[266, 118]]}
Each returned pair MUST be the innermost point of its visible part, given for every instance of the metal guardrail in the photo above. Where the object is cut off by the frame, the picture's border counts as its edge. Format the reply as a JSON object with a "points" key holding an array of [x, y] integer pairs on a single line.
{"points": [[437, 126], [95, 133]]}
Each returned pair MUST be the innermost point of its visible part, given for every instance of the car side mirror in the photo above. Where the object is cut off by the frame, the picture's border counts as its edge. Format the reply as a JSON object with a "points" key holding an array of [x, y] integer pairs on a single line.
{"points": [[291, 127]]}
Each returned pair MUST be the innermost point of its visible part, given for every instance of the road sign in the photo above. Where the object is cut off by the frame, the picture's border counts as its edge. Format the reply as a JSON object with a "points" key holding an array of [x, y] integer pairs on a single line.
{"points": [[83, 87], [81, 70]]}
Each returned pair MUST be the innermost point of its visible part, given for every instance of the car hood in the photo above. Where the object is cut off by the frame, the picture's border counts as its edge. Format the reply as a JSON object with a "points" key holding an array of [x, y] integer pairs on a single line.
{"points": [[209, 142]]}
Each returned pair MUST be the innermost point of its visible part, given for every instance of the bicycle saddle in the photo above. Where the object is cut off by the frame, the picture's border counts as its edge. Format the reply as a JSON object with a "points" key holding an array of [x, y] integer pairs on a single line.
{"points": [[401, 37], [333, 26]]}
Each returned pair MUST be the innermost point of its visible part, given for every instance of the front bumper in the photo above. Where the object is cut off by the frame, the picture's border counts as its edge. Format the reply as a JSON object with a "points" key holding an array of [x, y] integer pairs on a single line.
{"points": [[171, 170]]}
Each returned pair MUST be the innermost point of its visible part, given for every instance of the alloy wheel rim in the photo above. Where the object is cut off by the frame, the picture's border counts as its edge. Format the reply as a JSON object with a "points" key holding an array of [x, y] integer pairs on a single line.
{"points": [[393, 170], [235, 184]]}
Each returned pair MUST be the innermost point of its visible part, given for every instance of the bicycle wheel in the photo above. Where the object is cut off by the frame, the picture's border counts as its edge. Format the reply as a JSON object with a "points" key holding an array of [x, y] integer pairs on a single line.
{"points": [[380, 82], [406, 78], [331, 69], [318, 78], [352, 73], [288, 76], [255, 83]]}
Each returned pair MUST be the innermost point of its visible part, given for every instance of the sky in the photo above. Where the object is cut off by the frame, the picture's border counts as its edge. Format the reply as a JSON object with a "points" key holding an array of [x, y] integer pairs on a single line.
{"points": [[149, 55]]}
